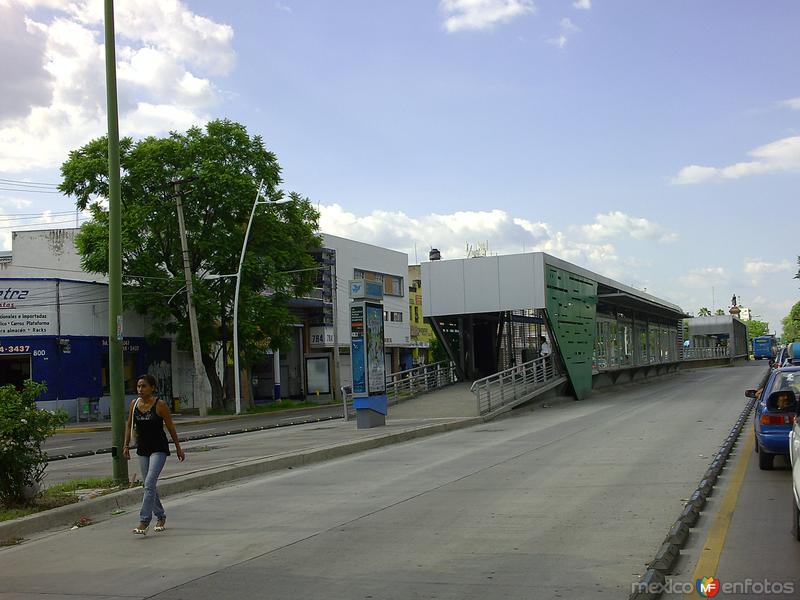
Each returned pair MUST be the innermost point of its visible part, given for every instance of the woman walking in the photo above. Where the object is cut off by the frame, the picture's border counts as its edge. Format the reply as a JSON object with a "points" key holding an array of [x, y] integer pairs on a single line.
{"points": [[149, 415]]}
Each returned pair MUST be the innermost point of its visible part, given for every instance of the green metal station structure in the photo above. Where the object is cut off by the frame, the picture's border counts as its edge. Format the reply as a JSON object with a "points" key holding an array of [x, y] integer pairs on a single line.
{"points": [[494, 312]]}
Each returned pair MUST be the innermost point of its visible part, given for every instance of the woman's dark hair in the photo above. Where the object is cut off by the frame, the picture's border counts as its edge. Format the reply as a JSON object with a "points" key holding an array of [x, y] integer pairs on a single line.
{"points": [[149, 379]]}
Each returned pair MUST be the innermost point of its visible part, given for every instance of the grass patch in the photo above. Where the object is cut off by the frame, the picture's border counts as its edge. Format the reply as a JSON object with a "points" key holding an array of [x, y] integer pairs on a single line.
{"points": [[57, 495]]}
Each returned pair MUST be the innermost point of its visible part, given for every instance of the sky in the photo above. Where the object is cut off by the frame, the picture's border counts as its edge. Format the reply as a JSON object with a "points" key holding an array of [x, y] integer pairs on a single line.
{"points": [[653, 142]]}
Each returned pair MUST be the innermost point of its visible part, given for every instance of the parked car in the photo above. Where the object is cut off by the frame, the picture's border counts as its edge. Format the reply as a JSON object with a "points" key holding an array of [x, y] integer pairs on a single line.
{"points": [[794, 458], [775, 414], [780, 357]]}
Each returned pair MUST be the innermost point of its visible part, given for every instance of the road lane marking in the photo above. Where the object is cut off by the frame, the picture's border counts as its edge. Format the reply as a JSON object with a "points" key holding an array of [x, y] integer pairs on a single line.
{"points": [[715, 541]]}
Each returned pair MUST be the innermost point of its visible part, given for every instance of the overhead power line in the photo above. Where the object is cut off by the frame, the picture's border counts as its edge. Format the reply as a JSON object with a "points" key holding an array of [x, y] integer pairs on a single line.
{"points": [[37, 191], [32, 183]]}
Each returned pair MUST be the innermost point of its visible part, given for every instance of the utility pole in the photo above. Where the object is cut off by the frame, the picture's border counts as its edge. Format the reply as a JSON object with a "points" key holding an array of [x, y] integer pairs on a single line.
{"points": [[119, 464], [197, 357], [337, 379]]}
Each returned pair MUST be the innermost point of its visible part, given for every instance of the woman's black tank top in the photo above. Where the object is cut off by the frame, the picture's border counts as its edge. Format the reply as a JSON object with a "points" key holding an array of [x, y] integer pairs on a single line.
{"points": [[150, 434]]}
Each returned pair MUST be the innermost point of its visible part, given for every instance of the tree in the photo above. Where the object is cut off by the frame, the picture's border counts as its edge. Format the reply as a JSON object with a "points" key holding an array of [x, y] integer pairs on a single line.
{"points": [[703, 312], [791, 324], [221, 167], [719, 312], [756, 328]]}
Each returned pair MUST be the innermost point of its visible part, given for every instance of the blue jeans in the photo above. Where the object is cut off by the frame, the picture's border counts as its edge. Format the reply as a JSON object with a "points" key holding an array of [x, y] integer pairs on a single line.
{"points": [[151, 468]]}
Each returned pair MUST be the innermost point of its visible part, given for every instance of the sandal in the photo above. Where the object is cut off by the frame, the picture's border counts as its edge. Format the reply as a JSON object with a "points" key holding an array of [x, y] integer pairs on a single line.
{"points": [[161, 525]]}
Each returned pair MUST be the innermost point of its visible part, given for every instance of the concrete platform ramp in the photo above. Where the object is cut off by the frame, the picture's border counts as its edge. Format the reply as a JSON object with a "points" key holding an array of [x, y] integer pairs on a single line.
{"points": [[452, 401]]}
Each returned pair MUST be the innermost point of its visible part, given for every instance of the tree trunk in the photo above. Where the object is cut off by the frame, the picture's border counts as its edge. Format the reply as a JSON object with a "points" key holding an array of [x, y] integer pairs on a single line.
{"points": [[210, 366]]}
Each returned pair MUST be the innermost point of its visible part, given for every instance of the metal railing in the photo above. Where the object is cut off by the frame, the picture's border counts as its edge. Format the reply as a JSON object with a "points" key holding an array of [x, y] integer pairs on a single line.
{"points": [[516, 384], [419, 380], [705, 353]]}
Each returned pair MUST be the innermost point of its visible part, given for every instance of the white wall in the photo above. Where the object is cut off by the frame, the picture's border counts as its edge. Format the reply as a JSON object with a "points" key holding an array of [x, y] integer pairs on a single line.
{"points": [[53, 307], [46, 253], [484, 284], [352, 255]]}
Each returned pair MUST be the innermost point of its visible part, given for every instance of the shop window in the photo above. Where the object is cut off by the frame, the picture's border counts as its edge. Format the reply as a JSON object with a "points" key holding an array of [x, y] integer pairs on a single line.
{"points": [[318, 377], [392, 284], [15, 369]]}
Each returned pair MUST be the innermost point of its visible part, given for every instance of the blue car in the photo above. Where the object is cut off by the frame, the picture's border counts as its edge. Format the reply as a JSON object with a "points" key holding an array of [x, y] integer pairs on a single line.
{"points": [[775, 414]]}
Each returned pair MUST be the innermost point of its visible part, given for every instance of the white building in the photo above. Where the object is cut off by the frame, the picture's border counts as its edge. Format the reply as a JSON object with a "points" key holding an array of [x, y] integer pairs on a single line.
{"points": [[357, 260], [54, 328], [74, 304]]}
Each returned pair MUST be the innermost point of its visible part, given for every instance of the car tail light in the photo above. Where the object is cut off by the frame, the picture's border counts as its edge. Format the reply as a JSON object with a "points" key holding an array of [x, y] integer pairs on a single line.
{"points": [[777, 419]]}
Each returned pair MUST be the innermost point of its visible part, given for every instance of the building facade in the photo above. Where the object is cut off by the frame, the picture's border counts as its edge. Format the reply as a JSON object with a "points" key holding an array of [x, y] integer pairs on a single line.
{"points": [[422, 335], [54, 328], [344, 260]]}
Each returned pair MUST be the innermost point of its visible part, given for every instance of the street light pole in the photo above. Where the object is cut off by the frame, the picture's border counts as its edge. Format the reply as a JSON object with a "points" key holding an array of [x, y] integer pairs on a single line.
{"points": [[237, 383]]}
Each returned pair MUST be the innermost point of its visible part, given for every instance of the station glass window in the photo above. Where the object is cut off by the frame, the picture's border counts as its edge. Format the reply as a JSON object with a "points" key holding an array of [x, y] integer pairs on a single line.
{"points": [[625, 333]]}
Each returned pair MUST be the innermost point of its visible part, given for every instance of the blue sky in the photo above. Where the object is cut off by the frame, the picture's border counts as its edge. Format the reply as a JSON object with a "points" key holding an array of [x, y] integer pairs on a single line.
{"points": [[653, 142]]}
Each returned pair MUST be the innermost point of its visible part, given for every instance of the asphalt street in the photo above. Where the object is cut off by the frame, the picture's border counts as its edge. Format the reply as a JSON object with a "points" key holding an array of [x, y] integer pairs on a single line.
{"points": [[568, 501]]}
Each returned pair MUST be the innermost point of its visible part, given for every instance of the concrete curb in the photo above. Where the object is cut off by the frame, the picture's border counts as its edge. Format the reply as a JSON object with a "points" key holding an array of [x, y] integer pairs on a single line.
{"points": [[66, 516]]}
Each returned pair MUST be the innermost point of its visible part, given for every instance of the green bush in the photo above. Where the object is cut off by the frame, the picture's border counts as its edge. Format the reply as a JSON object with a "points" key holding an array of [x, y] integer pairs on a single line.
{"points": [[23, 428]]}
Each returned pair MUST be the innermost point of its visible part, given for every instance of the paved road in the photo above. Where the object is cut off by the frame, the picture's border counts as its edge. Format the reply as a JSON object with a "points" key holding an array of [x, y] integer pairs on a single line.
{"points": [[568, 501], [744, 537]]}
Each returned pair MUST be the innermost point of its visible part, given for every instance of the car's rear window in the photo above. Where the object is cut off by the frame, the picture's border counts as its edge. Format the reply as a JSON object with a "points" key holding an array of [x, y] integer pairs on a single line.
{"points": [[786, 382]]}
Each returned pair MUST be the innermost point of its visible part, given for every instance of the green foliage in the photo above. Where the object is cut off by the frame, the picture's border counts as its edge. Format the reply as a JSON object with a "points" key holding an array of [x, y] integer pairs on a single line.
{"points": [[791, 324], [756, 328], [719, 312], [703, 312], [220, 167], [23, 429], [437, 351]]}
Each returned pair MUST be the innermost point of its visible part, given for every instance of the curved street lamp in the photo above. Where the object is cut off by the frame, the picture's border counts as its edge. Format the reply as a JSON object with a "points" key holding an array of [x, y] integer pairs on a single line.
{"points": [[261, 198]]}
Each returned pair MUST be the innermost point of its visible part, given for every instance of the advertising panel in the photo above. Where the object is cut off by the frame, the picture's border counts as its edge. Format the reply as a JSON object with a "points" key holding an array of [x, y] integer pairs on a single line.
{"points": [[376, 366], [27, 308], [358, 349]]}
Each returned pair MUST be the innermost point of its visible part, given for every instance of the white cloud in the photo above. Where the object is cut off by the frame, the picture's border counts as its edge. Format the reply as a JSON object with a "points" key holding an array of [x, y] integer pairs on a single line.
{"points": [[582, 4], [463, 15], [705, 277], [780, 156], [566, 28], [567, 25], [166, 55], [616, 223], [793, 103], [451, 233], [10, 222], [759, 267]]}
